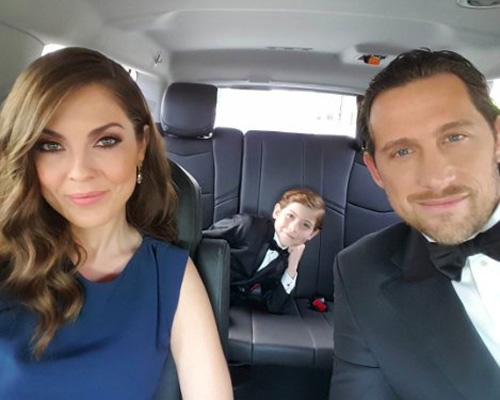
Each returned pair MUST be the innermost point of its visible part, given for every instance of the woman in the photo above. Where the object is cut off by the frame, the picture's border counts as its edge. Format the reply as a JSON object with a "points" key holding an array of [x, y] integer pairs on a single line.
{"points": [[93, 294]]}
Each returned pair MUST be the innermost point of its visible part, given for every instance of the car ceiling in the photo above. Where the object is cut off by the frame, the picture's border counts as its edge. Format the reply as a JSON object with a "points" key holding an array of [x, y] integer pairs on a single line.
{"points": [[262, 42]]}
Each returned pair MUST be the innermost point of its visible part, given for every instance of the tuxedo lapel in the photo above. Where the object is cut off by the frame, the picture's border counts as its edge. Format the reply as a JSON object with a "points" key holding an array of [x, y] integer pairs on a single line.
{"points": [[250, 242], [275, 268], [262, 242], [433, 316]]}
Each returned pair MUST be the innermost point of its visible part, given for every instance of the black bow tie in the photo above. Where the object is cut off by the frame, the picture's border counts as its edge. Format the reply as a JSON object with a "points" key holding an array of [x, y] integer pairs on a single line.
{"points": [[275, 246], [450, 260]]}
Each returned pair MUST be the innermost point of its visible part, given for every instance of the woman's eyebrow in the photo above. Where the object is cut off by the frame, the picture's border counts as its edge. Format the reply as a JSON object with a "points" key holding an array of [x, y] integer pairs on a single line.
{"points": [[50, 132], [100, 129], [93, 132]]}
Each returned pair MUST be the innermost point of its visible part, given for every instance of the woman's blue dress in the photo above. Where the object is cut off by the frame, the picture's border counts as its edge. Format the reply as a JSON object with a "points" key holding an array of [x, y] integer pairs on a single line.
{"points": [[116, 348]]}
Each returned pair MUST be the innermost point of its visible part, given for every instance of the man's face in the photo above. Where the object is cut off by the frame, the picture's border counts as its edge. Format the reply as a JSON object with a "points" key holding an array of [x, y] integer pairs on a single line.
{"points": [[436, 157]]}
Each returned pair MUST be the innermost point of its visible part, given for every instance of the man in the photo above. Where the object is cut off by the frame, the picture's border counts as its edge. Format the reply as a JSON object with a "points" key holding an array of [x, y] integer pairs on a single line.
{"points": [[416, 316]]}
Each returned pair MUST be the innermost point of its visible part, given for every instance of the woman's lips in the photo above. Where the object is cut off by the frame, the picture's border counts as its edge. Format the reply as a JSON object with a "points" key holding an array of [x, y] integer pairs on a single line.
{"points": [[85, 199]]}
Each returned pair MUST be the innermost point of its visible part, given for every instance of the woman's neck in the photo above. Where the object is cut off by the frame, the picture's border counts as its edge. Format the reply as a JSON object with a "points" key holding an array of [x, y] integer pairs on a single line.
{"points": [[107, 248]]}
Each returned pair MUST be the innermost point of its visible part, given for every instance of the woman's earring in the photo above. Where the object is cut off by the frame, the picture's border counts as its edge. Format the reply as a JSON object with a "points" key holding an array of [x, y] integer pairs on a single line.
{"points": [[139, 173]]}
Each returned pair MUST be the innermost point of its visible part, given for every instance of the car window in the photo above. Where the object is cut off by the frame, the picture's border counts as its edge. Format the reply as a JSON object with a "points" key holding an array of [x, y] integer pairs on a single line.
{"points": [[287, 110], [495, 92]]}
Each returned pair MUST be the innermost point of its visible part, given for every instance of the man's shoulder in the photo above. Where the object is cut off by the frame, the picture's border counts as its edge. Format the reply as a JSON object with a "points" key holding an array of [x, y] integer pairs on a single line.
{"points": [[379, 245]]}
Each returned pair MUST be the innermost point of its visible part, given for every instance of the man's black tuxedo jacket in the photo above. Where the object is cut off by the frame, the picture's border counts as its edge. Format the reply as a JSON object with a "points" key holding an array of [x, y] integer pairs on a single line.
{"points": [[249, 238], [400, 330]]}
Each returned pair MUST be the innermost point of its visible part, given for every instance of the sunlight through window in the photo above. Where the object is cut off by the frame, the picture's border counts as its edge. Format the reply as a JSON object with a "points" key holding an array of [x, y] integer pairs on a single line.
{"points": [[287, 110]]}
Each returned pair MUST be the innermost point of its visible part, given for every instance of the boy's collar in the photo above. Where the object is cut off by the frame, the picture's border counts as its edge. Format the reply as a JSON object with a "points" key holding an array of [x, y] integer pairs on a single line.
{"points": [[277, 240]]}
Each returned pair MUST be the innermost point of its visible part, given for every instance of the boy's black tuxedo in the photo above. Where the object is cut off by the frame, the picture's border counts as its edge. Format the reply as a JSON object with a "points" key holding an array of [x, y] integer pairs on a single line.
{"points": [[249, 238], [401, 332]]}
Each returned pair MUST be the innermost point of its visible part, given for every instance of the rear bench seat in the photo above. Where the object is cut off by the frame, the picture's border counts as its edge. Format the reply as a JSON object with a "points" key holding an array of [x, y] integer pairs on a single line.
{"points": [[270, 163], [331, 165]]}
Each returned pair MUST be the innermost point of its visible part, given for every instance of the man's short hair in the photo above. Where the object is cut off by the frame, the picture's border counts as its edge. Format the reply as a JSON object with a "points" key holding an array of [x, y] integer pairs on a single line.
{"points": [[424, 63], [308, 198]]}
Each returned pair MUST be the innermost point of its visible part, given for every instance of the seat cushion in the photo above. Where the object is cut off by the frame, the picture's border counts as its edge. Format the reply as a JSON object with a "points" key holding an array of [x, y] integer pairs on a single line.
{"points": [[302, 337]]}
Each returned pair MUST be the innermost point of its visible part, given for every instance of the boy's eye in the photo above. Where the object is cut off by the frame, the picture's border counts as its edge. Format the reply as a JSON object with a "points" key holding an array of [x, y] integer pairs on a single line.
{"points": [[108, 141], [289, 215], [307, 226], [49, 146]]}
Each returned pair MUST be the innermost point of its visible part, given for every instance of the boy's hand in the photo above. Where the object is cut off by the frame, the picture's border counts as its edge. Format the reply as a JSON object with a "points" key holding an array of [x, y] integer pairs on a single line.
{"points": [[295, 254]]}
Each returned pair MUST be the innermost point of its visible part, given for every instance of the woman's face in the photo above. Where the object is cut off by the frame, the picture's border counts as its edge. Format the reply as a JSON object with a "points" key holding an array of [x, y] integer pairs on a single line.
{"points": [[87, 157]]}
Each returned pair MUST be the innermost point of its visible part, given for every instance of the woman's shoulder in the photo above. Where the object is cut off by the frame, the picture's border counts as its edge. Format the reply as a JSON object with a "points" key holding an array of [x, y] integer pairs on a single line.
{"points": [[6, 302], [164, 251], [157, 242]]}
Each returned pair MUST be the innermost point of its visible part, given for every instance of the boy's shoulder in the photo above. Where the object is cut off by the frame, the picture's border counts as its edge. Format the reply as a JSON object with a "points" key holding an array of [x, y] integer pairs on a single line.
{"points": [[242, 230], [240, 225], [245, 219], [254, 219], [257, 224]]}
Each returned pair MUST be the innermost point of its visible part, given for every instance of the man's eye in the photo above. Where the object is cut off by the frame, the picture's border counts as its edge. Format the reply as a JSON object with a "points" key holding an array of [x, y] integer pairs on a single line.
{"points": [[108, 141], [49, 146], [455, 137], [402, 152]]}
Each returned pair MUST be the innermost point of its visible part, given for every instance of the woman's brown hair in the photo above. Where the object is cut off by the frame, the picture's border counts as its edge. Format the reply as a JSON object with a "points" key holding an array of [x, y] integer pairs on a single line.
{"points": [[35, 241]]}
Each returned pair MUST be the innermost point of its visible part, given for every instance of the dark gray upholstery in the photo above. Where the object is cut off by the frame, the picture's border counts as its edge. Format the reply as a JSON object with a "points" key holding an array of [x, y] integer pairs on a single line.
{"points": [[211, 256], [188, 109], [212, 156], [367, 207], [274, 162]]}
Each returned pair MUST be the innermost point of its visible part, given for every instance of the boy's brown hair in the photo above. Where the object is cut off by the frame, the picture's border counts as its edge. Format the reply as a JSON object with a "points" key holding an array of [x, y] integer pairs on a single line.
{"points": [[308, 198]]}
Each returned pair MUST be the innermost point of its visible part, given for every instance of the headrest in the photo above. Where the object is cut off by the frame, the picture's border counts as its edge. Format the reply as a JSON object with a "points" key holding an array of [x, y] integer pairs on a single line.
{"points": [[188, 109]]}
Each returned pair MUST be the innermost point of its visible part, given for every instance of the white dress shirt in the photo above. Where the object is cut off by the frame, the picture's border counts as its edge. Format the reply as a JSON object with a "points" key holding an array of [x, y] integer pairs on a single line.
{"points": [[479, 291], [286, 280]]}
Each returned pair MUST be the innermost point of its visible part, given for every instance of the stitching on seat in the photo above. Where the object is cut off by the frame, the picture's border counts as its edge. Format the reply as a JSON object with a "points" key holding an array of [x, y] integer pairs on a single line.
{"points": [[303, 162], [216, 179], [347, 197], [315, 355], [320, 236], [260, 174], [252, 336]]}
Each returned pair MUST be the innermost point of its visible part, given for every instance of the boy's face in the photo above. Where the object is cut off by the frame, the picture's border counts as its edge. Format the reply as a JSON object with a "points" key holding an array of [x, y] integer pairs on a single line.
{"points": [[295, 223]]}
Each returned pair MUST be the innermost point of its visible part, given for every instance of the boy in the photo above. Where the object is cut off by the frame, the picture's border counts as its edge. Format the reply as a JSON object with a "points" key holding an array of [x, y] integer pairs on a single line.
{"points": [[265, 254]]}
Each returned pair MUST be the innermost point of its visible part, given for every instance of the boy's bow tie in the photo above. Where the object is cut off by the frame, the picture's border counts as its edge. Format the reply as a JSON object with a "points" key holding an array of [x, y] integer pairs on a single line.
{"points": [[450, 260], [274, 246]]}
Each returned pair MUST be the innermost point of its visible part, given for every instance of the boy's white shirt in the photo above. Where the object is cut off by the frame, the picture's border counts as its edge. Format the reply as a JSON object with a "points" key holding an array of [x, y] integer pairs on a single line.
{"points": [[286, 280]]}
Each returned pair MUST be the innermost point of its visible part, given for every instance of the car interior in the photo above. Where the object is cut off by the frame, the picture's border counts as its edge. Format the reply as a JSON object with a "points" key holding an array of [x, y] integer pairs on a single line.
{"points": [[185, 56]]}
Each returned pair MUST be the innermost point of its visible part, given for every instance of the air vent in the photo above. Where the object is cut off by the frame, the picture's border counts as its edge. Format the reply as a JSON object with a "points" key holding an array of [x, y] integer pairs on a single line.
{"points": [[482, 4], [371, 59]]}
